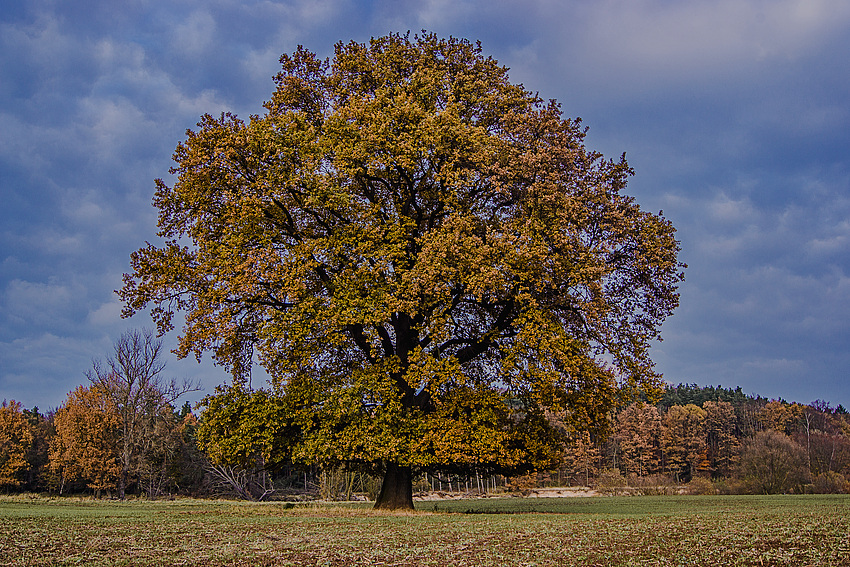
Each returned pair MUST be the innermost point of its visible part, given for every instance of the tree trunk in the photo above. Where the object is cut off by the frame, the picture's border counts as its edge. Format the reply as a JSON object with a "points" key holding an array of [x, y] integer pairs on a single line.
{"points": [[396, 489], [122, 484]]}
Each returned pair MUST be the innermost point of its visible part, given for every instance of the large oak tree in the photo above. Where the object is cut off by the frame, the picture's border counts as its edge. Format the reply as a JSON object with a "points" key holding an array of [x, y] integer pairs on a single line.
{"points": [[422, 255]]}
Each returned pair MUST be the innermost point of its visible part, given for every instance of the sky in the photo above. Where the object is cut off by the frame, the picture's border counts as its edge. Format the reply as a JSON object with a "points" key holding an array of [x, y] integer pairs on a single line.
{"points": [[735, 115]]}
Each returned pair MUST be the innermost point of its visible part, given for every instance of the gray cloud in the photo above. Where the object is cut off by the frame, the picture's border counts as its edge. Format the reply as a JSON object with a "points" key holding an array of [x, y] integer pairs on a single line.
{"points": [[734, 114]]}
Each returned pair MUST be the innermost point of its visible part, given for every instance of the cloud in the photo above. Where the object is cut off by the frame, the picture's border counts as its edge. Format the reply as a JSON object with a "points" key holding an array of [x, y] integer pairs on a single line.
{"points": [[768, 281], [659, 35], [37, 369], [194, 35], [653, 44], [36, 303], [106, 315], [836, 241], [733, 113]]}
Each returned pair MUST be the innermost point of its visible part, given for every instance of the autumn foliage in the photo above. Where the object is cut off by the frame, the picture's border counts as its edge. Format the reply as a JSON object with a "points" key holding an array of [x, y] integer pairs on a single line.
{"points": [[409, 244], [86, 443], [15, 442], [245, 432]]}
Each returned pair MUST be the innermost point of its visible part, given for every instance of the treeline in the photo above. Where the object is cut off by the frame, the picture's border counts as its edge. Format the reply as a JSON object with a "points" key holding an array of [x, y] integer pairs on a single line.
{"points": [[116, 435], [78, 448], [119, 433], [91, 445], [740, 443]]}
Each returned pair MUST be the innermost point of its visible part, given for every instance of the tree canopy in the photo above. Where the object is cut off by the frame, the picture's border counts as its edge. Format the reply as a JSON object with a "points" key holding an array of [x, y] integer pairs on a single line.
{"points": [[15, 442], [86, 441], [423, 256]]}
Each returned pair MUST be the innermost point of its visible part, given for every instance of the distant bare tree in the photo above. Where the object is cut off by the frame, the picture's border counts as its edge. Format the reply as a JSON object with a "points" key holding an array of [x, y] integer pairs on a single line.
{"points": [[133, 379]]}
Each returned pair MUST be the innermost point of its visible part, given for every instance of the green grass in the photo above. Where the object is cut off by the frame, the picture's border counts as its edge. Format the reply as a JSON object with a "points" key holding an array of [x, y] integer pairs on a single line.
{"points": [[707, 530]]}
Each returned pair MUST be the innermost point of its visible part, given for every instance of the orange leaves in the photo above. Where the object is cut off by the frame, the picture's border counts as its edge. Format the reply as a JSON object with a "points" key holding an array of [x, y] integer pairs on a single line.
{"points": [[639, 439], [434, 375], [778, 416], [401, 225], [684, 438], [86, 442], [15, 441], [458, 252]]}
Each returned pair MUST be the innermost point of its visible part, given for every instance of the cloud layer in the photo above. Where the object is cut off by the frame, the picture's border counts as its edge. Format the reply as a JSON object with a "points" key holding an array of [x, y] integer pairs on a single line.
{"points": [[734, 114]]}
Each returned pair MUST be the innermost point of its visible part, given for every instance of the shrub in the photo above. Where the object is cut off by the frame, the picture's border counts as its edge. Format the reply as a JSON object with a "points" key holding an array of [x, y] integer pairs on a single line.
{"points": [[611, 478], [523, 484], [729, 486], [772, 463], [830, 483], [701, 486], [654, 484]]}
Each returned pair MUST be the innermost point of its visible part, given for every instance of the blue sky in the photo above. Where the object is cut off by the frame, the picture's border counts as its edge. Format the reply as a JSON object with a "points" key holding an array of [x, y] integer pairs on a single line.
{"points": [[735, 115]]}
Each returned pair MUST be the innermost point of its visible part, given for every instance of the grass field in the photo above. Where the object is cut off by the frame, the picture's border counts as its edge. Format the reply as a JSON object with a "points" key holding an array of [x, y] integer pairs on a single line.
{"points": [[697, 530]]}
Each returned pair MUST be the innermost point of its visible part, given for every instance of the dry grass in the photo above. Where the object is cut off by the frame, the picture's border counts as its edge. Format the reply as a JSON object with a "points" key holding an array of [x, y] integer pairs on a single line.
{"points": [[606, 532]]}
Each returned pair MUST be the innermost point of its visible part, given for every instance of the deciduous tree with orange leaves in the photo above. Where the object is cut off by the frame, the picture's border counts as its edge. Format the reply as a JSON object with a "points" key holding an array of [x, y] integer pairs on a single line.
{"points": [[15, 441], [86, 443], [684, 441], [423, 256], [722, 440], [638, 434]]}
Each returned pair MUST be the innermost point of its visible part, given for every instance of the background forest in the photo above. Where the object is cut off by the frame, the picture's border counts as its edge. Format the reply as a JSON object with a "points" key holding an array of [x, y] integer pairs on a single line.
{"points": [[696, 439]]}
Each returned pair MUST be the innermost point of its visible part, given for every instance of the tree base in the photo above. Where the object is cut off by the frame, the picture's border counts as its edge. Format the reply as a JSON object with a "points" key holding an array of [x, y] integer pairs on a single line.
{"points": [[396, 489]]}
